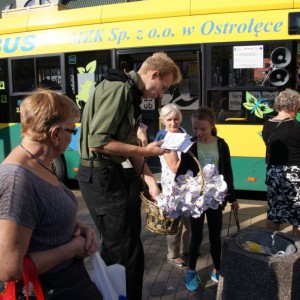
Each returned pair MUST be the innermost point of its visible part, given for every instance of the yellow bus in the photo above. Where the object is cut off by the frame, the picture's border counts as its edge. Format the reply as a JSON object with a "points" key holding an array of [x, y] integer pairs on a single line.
{"points": [[234, 56]]}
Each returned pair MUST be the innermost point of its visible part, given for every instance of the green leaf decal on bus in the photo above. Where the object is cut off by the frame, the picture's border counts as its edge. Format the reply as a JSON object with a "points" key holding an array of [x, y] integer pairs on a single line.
{"points": [[86, 82], [91, 67]]}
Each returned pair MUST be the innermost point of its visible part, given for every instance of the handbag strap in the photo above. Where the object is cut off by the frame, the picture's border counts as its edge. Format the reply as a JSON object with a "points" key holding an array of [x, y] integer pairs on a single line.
{"points": [[10, 291], [145, 188], [236, 218], [30, 274]]}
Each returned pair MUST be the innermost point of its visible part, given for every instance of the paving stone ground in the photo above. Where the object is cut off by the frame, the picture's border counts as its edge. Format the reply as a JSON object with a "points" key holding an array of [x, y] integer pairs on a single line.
{"points": [[163, 281]]}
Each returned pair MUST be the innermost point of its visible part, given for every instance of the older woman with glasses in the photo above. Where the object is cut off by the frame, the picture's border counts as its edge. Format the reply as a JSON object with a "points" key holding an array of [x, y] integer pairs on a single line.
{"points": [[37, 212]]}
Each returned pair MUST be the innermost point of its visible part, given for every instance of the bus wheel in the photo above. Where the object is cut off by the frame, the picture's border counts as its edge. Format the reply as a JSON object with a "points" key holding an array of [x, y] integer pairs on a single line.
{"points": [[60, 168]]}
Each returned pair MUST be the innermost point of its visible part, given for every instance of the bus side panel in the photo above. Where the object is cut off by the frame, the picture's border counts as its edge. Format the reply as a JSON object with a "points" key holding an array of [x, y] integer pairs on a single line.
{"points": [[249, 173], [10, 137], [71, 155], [72, 162]]}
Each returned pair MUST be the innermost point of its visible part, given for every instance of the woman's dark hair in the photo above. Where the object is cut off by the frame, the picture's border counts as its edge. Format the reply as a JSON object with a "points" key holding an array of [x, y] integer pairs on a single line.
{"points": [[205, 113]]}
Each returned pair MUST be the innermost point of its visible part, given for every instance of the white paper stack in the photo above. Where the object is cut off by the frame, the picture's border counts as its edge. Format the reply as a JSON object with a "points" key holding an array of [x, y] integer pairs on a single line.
{"points": [[177, 141]]}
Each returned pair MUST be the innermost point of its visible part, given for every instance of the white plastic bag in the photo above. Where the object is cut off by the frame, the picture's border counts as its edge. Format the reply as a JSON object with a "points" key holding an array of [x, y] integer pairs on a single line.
{"points": [[110, 280]]}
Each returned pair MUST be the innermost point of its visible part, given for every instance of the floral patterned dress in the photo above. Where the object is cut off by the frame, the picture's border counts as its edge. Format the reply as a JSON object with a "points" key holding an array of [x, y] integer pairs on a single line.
{"points": [[283, 194], [282, 138]]}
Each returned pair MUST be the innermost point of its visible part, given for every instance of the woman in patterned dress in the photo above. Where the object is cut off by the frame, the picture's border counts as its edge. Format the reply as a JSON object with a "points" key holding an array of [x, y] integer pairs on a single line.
{"points": [[281, 135], [178, 244]]}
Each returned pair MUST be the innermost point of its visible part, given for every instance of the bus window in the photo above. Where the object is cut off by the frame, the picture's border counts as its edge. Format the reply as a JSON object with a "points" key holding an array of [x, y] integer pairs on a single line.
{"points": [[251, 107], [23, 75], [240, 88], [31, 73], [226, 74], [48, 72], [4, 99], [227, 106], [226, 114]]}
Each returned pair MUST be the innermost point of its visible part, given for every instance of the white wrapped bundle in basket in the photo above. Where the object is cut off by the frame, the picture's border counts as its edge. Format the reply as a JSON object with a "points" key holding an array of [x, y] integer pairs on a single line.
{"points": [[191, 196]]}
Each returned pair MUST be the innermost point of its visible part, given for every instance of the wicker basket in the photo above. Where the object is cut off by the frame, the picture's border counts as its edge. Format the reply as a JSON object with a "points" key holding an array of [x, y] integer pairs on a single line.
{"points": [[156, 220]]}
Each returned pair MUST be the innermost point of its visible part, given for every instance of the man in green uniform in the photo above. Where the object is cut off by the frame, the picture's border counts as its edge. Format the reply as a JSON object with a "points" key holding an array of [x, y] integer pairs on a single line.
{"points": [[108, 137]]}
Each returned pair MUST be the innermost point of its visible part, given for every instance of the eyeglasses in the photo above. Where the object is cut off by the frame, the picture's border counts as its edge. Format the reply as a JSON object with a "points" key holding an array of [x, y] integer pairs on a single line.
{"points": [[72, 131]]}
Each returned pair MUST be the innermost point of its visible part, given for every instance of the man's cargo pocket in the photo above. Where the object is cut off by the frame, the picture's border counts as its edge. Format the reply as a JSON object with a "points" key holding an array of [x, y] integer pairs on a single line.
{"points": [[113, 225], [84, 174]]}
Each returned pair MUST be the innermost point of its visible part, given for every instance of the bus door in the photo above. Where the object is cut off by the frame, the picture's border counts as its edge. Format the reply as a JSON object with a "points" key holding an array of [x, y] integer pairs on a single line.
{"points": [[185, 95]]}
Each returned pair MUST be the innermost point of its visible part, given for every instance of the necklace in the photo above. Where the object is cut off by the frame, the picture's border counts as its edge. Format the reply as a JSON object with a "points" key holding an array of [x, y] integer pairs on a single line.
{"points": [[53, 171]]}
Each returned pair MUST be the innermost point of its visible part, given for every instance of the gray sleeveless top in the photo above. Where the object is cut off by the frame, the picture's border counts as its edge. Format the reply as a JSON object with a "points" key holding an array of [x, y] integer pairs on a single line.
{"points": [[49, 211]]}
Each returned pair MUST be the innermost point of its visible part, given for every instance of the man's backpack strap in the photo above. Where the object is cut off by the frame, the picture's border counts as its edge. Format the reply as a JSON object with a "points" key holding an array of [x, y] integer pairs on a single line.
{"points": [[117, 75]]}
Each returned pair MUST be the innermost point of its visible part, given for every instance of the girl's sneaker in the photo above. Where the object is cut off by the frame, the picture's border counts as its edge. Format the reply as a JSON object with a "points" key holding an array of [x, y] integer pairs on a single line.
{"points": [[214, 276], [192, 280]]}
